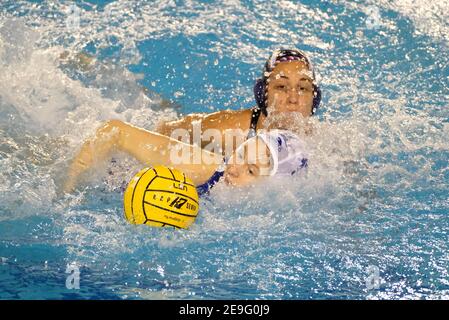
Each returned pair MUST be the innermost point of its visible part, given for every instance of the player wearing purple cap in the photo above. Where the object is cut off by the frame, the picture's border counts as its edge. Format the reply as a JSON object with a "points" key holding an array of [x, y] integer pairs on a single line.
{"points": [[288, 84]]}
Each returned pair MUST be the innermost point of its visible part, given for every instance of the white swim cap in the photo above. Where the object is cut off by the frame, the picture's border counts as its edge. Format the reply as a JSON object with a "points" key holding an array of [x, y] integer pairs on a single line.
{"points": [[288, 154]]}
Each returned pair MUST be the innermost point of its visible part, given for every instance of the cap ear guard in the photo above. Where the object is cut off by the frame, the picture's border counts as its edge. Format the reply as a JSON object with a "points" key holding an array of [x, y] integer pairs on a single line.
{"points": [[287, 152]]}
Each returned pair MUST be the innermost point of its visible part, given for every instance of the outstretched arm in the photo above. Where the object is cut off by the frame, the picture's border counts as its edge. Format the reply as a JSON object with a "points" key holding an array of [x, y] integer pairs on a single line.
{"points": [[166, 128], [150, 148], [220, 120]]}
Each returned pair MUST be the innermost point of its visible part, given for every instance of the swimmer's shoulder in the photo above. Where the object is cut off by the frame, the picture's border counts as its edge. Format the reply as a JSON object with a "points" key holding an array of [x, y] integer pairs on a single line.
{"points": [[220, 116], [228, 118], [230, 114], [222, 120]]}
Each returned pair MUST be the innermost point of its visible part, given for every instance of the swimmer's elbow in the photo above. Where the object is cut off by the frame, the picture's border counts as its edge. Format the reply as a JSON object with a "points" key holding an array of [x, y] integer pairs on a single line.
{"points": [[113, 124], [110, 132], [161, 128], [166, 128]]}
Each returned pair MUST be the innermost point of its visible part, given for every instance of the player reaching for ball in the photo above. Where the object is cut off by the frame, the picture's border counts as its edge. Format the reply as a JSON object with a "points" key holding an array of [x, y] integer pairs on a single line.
{"points": [[276, 152]]}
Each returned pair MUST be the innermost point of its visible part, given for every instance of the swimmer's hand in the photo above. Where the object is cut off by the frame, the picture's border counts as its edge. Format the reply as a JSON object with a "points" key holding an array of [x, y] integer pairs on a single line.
{"points": [[64, 187], [80, 164]]}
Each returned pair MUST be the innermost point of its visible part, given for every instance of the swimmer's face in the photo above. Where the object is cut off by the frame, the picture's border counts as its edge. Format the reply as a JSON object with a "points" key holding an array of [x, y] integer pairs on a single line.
{"points": [[248, 163], [290, 88]]}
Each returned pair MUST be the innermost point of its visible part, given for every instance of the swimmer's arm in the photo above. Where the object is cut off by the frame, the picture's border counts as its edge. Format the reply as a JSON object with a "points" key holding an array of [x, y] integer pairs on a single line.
{"points": [[148, 147], [166, 128], [221, 120]]}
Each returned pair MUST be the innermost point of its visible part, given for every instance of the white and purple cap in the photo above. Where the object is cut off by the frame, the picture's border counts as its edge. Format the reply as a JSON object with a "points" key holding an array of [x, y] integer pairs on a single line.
{"points": [[287, 152]]}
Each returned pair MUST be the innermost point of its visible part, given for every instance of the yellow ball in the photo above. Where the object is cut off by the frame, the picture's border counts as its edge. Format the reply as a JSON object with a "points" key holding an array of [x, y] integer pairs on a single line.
{"points": [[161, 197]]}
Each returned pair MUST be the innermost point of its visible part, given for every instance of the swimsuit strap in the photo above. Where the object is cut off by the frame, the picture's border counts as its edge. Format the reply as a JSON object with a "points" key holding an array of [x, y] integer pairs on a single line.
{"points": [[204, 188], [255, 115]]}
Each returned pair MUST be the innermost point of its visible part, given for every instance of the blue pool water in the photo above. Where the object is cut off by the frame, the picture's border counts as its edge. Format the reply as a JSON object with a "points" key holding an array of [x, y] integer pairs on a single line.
{"points": [[369, 221]]}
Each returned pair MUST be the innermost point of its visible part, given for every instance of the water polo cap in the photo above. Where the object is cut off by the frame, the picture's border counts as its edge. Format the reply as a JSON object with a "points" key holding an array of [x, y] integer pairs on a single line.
{"points": [[260, 87], [287, 152]]}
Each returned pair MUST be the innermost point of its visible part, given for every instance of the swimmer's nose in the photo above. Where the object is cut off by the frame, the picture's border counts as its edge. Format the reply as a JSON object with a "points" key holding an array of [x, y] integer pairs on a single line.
{"points": [[233, 171], [293, 96]]}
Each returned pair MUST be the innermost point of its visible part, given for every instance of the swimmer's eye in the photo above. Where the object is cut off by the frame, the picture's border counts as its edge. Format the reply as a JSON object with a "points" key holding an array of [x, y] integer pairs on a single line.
{"points": [[280, 87], [252, 171], [286, 88], [305, 89]]}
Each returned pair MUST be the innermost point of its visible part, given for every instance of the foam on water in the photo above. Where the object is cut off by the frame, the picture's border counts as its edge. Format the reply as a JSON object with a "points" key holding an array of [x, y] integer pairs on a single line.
{"points": [[375, 193]]}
